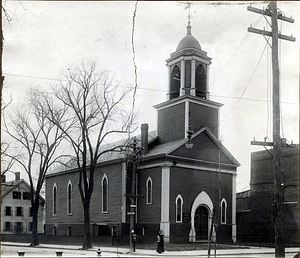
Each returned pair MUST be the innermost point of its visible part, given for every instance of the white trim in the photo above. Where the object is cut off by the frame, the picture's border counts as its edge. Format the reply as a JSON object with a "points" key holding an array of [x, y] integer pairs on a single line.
{"points": [[186, 118], [179, 197], [169, 83], [182, 78], [123, 209], [104, 177], [207, 83], [69, 184], [165, 202], [206, 60], [147, 190], [193, 78], [203, 102], [202, 199], [54, 202], [234, 208], [225, 212]]}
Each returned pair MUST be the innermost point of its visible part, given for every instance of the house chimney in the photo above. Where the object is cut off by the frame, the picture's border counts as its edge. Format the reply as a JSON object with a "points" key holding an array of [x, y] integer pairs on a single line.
{"points": [[17, 176], [144, 138], [3, 179]]}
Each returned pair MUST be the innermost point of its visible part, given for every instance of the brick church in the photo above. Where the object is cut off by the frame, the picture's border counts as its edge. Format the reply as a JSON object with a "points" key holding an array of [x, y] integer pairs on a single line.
{"points": [[180, 180]]}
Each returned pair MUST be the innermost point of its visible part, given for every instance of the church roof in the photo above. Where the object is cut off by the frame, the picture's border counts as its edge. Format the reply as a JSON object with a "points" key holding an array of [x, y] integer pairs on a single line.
{"points": [[201, 151], [188, 41]]}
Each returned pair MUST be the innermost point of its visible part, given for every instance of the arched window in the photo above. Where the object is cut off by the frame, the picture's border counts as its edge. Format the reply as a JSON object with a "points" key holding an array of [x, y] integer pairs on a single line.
{"points": [[175, 82], [179, 203], [69, 198], [201, 89], [149, 191], [223, 211], [104, 194], [54, 199]]}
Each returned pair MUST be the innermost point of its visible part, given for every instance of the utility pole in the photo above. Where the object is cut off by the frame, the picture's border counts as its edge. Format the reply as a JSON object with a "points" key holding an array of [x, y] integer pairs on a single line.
{"points": [[132, 168], [277, 143]]}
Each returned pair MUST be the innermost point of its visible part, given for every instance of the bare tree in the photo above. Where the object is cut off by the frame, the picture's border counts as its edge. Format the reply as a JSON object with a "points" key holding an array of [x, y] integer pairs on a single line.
{"points": [[35, 143], [96, 111]]}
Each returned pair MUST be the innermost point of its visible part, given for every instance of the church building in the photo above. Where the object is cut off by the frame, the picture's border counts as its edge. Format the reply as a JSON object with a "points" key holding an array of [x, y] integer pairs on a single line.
{"points": [[184, 177]]}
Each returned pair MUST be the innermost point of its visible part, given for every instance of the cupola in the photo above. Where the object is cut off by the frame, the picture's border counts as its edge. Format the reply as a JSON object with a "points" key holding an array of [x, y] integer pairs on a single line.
{"points": [[188, 69]]}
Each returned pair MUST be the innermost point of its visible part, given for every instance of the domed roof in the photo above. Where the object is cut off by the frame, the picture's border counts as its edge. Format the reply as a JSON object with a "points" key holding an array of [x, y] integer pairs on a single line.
{"points": [[188, 41]]}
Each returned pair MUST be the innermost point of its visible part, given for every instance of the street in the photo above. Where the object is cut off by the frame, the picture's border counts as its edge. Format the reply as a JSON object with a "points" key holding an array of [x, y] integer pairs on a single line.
{"points": [[9, 249]]}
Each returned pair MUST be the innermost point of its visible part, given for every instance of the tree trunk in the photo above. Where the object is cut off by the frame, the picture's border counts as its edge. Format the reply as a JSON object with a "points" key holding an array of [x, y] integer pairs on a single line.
{"points": [[87, 241], [35, 236]]}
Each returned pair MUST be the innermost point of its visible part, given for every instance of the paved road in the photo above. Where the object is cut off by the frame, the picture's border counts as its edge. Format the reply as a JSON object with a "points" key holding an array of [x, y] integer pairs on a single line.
{"points": [[11, 250]]}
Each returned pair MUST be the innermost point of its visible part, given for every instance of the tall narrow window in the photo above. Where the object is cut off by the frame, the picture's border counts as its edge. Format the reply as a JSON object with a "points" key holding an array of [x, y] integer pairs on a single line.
{"points": [[69, 198], [201, 88], [149, 191], [104, 194], [54, 199], [223, 211], [179, 203], [175, 82]]}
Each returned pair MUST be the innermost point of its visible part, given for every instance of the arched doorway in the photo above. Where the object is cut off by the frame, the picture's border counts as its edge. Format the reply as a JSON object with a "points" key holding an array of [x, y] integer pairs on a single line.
{"points": [[201, 217], [201, 223]]}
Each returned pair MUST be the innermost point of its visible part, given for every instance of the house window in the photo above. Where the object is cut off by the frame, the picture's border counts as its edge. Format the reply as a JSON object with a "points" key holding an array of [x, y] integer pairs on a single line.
{"points": [[149, 191], [69, 231], [26, 196], [30, 226], [223, 211], [19, 211], [7, 226], [69, 198], [16, 195], [54, 199], [104, 194], [179, 203], [8, 211]]}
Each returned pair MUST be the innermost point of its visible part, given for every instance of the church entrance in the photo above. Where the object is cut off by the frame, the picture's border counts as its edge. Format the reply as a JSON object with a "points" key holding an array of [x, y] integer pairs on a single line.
{"points": [[201, 223]]}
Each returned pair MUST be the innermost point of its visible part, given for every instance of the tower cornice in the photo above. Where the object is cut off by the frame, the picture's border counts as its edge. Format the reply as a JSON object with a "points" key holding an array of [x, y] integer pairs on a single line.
{"points": [[184, 98]]}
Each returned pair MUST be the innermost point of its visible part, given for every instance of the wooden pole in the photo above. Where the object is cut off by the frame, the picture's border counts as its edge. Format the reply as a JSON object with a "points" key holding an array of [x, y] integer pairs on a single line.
{"points": [[278, 188]]}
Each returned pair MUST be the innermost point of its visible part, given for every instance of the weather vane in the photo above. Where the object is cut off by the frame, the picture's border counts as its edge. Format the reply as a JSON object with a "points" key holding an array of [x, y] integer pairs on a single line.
{"points": [[188, 6]]}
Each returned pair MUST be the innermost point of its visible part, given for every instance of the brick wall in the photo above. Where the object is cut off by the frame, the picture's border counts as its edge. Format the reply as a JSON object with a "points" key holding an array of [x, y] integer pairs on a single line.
{"points": [[171, 123], [201, 116]]}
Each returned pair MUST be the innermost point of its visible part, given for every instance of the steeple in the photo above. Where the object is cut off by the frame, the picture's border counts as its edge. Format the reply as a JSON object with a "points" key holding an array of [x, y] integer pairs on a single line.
{"points": [[188, 68]]}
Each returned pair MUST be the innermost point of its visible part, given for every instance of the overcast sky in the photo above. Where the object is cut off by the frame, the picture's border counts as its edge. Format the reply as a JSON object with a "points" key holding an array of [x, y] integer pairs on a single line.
{"points": [[42, 39]]}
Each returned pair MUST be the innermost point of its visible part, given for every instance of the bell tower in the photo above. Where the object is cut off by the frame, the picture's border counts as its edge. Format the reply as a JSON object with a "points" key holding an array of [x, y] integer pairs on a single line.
{"points": [[188, 104], [188, 69]]}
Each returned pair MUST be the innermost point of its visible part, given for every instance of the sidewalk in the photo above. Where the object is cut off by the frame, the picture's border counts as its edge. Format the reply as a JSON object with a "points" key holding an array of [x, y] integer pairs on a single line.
{"points": [[144, 252]]}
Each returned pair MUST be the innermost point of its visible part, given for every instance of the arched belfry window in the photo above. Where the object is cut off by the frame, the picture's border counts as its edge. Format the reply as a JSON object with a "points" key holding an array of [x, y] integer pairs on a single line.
{"points": [[201, 88], [223, 211], [104, 185], [54, 199], [69, 198], [179, 203], [175, 83], [149, 191]]}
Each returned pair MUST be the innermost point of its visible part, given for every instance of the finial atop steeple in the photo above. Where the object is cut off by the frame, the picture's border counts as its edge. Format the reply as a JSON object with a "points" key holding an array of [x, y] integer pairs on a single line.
{"points": [[189, 29]]}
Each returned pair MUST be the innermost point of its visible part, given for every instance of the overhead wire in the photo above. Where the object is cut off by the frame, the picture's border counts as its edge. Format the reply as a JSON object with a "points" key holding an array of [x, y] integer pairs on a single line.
{"points": [[234, 52], [150, 89], [246, 84]]}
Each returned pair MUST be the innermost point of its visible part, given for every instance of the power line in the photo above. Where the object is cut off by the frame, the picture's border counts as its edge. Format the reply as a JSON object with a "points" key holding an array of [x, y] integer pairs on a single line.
{"points": [[246, 84], [150, 89]]}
